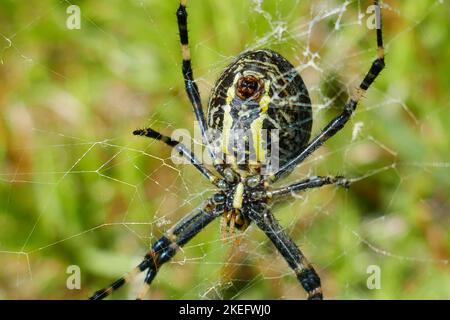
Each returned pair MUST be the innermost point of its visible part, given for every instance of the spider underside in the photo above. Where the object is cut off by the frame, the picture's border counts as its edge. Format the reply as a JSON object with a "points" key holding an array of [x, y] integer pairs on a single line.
{"points": [[260, 92]]}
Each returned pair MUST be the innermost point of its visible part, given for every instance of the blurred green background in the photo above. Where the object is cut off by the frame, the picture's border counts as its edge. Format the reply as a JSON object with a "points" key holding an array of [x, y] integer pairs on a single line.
{"points": [[76, 188]]}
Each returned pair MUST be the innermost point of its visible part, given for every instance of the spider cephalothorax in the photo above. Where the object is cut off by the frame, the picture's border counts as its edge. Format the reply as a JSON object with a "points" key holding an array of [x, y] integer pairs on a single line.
{"points": [[241, 195], [258, 94]]}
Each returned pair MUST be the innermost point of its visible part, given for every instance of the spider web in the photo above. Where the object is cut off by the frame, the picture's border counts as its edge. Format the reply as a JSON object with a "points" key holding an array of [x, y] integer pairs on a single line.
{"points": [[78, 189]]}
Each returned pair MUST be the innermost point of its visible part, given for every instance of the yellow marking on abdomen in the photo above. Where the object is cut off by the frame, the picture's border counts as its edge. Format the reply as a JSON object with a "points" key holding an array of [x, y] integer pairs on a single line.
{"points": [[227, 119], [256, 127]]}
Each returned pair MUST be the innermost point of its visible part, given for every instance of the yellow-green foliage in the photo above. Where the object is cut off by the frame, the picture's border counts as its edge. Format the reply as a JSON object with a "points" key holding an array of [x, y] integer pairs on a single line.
{"points": [[76, 188]]}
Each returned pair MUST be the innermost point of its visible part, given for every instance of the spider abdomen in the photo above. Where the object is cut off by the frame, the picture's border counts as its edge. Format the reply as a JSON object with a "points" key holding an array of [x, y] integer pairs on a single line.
{"points": [[259, 111]]}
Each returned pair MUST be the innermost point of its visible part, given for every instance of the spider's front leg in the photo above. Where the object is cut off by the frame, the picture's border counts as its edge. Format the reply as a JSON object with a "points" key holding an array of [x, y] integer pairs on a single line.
{"points": [[166, 247], [304, 271]]}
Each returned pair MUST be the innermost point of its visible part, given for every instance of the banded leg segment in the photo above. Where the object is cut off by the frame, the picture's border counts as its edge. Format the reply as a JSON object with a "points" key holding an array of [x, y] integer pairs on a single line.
{"points": [[338, 123], [305, 273], [189, 83], [166, 247], [182, 150], [179, 236], [315, 182]]}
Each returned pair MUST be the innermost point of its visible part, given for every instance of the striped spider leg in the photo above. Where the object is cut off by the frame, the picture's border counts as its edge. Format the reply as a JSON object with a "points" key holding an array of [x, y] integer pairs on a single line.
{"points": [[338, 122], [165, 248]]}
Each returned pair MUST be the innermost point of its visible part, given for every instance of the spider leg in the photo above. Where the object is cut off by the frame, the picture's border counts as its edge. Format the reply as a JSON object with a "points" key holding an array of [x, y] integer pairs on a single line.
{"points": [[189, 83], [182, 150], [315, 182], [338, 122], [165, 248], [304, 271]]}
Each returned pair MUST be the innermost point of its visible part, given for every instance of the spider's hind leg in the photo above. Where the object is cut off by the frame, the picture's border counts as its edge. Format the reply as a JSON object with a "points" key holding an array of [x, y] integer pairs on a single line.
{"points": [[191, 87], [338, 122]]}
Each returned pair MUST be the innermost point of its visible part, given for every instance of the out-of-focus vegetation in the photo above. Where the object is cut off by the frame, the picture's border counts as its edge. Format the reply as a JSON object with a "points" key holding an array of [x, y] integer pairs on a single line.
{"points": [[76, 188]]}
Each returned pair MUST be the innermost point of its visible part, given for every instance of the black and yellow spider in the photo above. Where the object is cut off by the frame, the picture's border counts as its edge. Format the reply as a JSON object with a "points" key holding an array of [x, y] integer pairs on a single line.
{"points": [[259, 92]]}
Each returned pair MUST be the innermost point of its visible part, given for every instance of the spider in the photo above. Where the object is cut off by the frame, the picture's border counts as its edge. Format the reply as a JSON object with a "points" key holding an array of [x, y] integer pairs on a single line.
{"points": [[259, 91]]}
